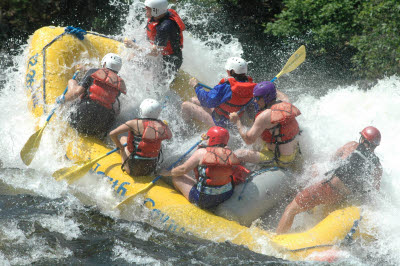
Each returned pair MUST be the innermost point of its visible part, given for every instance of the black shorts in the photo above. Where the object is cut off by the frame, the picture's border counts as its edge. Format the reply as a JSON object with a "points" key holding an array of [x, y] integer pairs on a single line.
{"points": [[141, 167], [91, 118]]}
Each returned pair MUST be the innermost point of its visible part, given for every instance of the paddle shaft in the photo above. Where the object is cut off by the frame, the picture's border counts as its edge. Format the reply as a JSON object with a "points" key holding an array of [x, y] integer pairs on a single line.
{"points": [[180, 159], [73, 174], [31, 146], [108, 153]]}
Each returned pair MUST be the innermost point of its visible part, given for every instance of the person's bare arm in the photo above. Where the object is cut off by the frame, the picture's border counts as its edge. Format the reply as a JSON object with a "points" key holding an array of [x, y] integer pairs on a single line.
{"points": [[74, 90], [344, 151], [282, 96], [116, 132], [260, 124], [155, 50]]}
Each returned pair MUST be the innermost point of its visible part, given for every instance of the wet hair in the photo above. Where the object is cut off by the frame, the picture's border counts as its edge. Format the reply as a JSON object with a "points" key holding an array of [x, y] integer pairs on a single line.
{"points": [[239, 77]]}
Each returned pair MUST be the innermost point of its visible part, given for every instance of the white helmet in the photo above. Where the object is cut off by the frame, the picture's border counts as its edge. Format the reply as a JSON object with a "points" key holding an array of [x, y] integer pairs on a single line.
{"points": [[112, 61], [150, 108], [236, 64], [158, 7]]}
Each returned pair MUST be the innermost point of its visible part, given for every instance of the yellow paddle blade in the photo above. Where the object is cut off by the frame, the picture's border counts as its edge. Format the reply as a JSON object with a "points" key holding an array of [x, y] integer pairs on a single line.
{"points": [[128, 199], [31, 146], [294, 61], [74, 172]]}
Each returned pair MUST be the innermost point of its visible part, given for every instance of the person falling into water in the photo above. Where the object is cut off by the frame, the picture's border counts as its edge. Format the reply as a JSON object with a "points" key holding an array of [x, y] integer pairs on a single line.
{"points": [[141, 155], [353, 181], [276, 125], [164, 31], [232, 94], [99, 90]]}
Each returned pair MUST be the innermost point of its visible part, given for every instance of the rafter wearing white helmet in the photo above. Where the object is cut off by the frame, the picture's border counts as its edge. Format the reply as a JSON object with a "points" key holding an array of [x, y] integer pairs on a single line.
{"points": [[150, 108], [112, 61], [158, 7], [236, 64]]}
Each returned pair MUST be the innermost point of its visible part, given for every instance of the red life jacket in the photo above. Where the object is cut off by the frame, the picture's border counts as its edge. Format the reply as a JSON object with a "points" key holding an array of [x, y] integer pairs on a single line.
{"points": [[242, 93], [152, 31], [149, 144], [106, 87], [217, 166], [284, 115]]}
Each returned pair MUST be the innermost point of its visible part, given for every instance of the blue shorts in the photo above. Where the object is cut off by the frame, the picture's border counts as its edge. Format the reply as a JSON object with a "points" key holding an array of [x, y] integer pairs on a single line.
{"points": [[221, 121], [207, 201]]}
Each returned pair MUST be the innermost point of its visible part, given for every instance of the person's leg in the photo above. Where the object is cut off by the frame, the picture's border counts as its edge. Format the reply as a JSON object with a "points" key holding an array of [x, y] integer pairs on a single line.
{"points": [[124, 139], [193, 111], [184, 184]]}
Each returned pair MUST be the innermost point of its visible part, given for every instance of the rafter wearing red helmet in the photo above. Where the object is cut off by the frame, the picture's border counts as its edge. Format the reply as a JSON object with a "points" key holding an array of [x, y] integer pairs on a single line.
{"points": [[215, 168], [353, 181]]}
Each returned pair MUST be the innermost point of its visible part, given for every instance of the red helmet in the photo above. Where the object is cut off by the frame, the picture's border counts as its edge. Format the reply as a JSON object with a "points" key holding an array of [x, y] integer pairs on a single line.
{"points": [[372, 134], [217, 135]]}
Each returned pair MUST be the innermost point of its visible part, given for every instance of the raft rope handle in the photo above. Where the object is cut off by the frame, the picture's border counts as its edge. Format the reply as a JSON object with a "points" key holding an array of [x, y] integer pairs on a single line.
{"points": [[256, 173], [79, 33], [349, 237]]}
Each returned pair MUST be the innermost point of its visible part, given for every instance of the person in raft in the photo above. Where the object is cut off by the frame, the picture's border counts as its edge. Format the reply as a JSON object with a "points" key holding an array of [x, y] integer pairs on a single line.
{"points": [[354, 180], [99, 90], [276, 125], [140, 156], [216, 168], [232, 94], [164, 31]]}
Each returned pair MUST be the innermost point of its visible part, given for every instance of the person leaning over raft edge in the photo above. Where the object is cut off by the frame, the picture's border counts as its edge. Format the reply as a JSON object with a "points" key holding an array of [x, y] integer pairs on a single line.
{"points": [[99, 90], [353, 181], [164, 31], [217, 171], [232, 94], [141, 155], [276, 125]]}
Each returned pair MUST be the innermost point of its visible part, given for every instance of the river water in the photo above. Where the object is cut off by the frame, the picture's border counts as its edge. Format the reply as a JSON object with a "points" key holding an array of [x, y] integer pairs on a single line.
{"points": [[43, 221]]}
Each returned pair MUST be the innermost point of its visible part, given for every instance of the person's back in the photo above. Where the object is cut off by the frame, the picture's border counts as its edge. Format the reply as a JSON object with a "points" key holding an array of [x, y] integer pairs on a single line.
{"points": [[360, 173], [98, 91], [145, 135]]}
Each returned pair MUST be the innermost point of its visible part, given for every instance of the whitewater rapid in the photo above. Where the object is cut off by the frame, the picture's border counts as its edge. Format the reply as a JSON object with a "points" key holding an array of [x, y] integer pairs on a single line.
{"points": [[327, 122]]}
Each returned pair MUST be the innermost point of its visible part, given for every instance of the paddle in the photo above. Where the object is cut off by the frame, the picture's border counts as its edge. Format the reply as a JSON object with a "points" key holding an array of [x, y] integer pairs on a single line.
{"points": [[294, 61], [31, 146], [158, 177], [79, 169]]}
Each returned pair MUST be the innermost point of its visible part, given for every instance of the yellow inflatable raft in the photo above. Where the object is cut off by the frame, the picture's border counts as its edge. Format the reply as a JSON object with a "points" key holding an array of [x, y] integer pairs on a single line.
{"points": [[52, 55]]}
